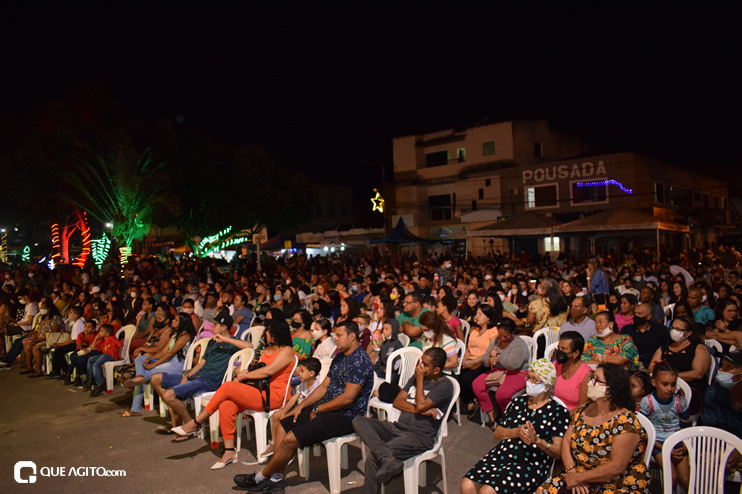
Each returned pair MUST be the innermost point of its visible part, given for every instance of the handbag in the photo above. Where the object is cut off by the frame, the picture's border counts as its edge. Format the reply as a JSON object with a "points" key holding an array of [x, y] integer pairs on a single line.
{"points": [[263, 385], [495, 379]]}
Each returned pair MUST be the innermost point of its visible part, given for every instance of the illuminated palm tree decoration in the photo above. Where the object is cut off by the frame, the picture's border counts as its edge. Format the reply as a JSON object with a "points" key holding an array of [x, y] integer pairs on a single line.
{"points": [[121, 190]]}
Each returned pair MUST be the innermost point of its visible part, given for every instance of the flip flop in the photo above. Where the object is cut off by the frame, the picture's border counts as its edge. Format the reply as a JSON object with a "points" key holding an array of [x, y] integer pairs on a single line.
{"points": [[182, 439], [129, 413]]}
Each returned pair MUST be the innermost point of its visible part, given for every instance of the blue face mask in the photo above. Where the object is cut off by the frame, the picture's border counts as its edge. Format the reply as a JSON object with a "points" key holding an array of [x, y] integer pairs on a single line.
{"points": [[277, 297], [725, 379]]}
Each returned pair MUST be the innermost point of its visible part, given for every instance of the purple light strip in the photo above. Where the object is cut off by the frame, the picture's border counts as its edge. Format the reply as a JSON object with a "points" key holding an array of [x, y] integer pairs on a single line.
{"points": [[605, 182]]}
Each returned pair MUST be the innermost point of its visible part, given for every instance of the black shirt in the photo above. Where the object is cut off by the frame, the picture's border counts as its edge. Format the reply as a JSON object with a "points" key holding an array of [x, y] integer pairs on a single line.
{"points": [[649, 341]]}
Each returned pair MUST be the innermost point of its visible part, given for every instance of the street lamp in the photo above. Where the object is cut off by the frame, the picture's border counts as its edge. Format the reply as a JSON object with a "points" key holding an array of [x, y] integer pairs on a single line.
{"points": [[109, 225]]}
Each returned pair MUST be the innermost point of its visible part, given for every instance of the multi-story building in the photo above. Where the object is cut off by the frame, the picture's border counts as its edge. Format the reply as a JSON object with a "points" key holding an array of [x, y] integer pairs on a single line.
{"points": [[456, 180]]}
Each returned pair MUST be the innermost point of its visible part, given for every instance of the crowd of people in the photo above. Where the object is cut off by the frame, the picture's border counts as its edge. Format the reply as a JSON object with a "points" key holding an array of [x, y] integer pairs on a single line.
{"points": [[627, 332]]}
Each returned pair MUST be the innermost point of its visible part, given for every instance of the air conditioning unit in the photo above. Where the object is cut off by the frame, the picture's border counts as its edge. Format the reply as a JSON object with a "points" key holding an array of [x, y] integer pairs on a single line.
{"points": [[513, 191]]}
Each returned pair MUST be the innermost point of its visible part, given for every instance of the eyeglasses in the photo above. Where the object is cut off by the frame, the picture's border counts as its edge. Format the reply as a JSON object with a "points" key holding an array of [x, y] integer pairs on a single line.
{"points": [[595, 381], [407, 302]]}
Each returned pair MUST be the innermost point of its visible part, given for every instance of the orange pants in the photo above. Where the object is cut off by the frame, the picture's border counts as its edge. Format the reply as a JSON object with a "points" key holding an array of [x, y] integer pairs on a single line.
{"points": [[234, 397]]}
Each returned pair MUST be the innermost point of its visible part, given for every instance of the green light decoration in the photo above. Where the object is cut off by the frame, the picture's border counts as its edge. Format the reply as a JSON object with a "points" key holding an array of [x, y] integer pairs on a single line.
{"points": [[124, 252], [224, 239], [204, 242], [26, 256], [101, 248]]}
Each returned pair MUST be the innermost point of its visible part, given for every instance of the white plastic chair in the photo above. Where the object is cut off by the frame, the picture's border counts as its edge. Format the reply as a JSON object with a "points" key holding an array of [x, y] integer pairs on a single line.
{"points": [[255, 332], [108, 367], [550, 335], [532, 347], [713, 344], [409, 356], [684, 390], [708, 451], [244, 356], [651, 436], [414, 468], [326, 363], [262, 420], [550, 350], [465, 327], [460, 350], [337, 460], [404, 339], [187, 365], [712, 370]]}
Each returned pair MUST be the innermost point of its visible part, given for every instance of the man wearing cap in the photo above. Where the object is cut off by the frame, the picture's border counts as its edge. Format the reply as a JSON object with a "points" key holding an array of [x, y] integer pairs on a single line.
{"points": [[206, 376], [423, 403], [723, 399]]}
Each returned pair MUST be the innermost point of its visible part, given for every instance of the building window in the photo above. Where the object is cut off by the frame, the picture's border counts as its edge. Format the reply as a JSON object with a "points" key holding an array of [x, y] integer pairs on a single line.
{"points": [[474, 205], [538, 150], [587, 195], [481, 194], [542, 196], [461, 154], [437, 158], [716, 202], [705, 200], [488, 148], [488, 182], [659, 193], [680, 197], [724, 203], [549, 246], [440, 207]]}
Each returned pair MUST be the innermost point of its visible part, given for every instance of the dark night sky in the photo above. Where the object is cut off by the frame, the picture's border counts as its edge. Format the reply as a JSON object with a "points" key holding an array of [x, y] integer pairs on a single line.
{"points": [[332, 85]]}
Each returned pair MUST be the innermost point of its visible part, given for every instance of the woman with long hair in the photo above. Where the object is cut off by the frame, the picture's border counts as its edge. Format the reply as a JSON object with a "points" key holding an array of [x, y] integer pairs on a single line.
{"points": [[436, 333], [480, 336], [550, 309]]}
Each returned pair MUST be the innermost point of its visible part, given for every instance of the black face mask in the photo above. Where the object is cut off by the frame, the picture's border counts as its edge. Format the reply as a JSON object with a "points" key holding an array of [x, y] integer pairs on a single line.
{"points": [[159, 324], [612, 306], [639, 321], [561, 357], [295, 324]]}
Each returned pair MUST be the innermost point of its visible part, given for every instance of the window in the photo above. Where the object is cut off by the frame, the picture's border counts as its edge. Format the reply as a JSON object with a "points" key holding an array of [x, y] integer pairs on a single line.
{"points": [[474, 205], [724, 203], [440, 207], [590, 194], [437, 158], [461, 154], [549, 247], [705, 200], [542, 196], [488, 148], [481, 194], [488, 182], [659, 193], [538, 150], [681, 197], [716, 202]]}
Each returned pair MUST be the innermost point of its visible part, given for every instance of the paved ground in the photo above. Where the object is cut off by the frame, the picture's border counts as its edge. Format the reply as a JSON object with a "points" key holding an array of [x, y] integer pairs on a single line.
{"points": [[59, 426]]}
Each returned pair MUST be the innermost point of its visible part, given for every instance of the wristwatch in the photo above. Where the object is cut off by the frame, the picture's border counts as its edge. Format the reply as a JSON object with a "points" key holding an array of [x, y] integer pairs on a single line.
{"points": [[315, 410]]}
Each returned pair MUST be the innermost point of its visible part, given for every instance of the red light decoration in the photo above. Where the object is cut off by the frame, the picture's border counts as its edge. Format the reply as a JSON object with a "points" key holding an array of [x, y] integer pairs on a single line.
{"points": [[56, 247], [86, 241]]}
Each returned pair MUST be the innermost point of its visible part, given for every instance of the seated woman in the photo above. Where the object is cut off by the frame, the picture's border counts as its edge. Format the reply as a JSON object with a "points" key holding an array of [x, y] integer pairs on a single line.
{"points": [[607, 347], [530, 435], [605, 443], [726, 327], [324, 344], [480, 336], [235, 397], [572, 374], [689, 356], [168, 358], [301, 321], [436, 333], [506, 359], [161, 330], [549, 309], [625, 311], [445, 307], [37, 340]]}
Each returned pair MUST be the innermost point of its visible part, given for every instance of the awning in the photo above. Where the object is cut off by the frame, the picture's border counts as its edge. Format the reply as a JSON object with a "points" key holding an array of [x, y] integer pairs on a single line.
{"points": [[522, 224], [400, 235], [619, 219]]}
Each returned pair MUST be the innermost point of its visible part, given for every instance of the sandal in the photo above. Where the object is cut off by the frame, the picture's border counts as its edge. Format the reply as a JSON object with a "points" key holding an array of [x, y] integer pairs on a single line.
{"points": [[129, 413], [182, 439]]}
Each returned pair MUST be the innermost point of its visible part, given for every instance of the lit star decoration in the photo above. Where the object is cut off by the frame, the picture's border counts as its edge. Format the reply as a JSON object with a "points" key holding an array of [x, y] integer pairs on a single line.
{"points": [[26, 256], [378, 202], [605, 182]]}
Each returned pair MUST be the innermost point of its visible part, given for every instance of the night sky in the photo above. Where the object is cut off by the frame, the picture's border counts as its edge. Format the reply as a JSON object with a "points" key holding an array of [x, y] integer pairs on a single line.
{"points": [[329, 86]]}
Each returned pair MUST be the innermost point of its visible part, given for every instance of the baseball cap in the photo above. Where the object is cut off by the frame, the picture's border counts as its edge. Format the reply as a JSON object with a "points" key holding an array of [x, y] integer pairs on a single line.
{"points": [[733, 357], [223, 318]]}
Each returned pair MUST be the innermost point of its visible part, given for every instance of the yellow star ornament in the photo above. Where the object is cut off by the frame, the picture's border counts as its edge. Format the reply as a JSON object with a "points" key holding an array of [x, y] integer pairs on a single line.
{"points": [[378, 202]]}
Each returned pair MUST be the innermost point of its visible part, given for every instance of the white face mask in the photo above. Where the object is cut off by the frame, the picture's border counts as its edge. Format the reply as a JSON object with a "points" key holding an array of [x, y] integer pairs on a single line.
{"points": [[535, 389], [606, 332], [725, 379], [596, 391], [188, 310], [677, 335], [133, 294], [502, 297], [316, 334], [429, 334], [43, 311]]}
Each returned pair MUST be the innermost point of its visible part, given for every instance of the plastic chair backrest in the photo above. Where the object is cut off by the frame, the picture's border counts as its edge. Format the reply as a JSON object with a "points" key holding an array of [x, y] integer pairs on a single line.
{"points": [[326, 363], [409, 357], [550, 336], [550, 350], [683, 389], [287, 394], [256, 332], [651, 436], [708, 450], [118, 333], [198, 333], [465, 327], [404, 339], [712, 370], [129, 332], [713, 344], [200, 343], [532, 347], [244, 356], [668, 308], [460, 349]]}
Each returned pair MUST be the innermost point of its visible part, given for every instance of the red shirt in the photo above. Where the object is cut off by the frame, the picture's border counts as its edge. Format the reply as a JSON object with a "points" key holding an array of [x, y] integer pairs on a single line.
{"points": [[84, 341], [110, 346]]}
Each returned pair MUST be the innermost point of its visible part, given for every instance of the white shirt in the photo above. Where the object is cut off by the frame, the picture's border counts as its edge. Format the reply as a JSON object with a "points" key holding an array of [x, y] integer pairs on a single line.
{"points": [[325, 349], [77, 328], [30, 311]]}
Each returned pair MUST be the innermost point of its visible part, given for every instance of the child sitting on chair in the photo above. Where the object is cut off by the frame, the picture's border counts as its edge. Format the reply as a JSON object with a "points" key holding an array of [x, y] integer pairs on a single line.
{"points": [[309, 369], [668, 412]]}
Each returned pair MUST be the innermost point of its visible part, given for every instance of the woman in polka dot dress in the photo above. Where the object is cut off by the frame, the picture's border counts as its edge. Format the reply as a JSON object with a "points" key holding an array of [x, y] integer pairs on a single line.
{"points": [[530, 437]]}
